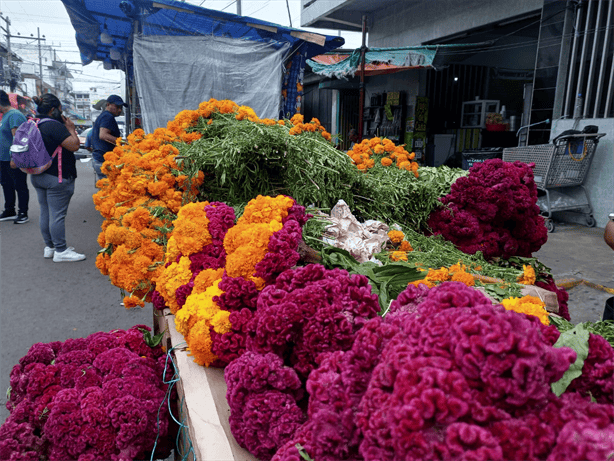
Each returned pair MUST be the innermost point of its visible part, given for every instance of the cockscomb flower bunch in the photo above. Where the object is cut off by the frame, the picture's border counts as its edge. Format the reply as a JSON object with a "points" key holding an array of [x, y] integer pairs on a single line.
{"points": [[309, 310], [448, 375], [493, 210], [263, 396], [383, 151], [99, 397]]}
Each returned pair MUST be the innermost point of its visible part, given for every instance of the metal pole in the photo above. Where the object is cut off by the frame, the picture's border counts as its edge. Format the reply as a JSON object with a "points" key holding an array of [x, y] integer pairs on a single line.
{"points": [[289, 17], [559, 96], [570, 97], [238, 7], [8, 41], [606, 45], [591, 67], [361, 103], [40, 60]]}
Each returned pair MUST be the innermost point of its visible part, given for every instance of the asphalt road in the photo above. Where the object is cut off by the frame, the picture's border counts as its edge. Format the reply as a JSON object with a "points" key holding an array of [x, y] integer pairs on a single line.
{"points": [[43, 301]]}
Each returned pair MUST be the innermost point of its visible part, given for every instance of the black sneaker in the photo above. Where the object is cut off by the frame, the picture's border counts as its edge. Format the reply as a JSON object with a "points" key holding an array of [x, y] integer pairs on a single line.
{"points": [[8, 215], [21, 219]]}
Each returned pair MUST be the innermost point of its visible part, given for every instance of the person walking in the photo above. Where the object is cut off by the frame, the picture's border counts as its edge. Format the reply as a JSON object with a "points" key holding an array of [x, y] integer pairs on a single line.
{"points": [[56, 185], [13, 180], [105, 132]]}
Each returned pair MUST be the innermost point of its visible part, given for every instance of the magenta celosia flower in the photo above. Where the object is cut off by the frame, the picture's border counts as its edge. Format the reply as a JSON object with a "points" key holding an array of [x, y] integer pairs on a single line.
{"points": [[448, 376], [493, 210], [98, 397], [310, 310], [158, 300], [262, 395]]}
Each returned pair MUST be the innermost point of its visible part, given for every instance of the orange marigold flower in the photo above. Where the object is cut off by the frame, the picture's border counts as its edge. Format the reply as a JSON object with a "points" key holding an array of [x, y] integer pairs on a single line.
{"points": [[405, 246], [423, 281], [386, 161], [396, 236], [528, 276], [464, 277], [438, 275], [398, 256], [132, 301]]}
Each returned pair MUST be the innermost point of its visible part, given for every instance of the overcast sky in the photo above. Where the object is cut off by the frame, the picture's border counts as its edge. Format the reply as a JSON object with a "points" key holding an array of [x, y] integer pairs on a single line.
{"points": [[51, 17]]}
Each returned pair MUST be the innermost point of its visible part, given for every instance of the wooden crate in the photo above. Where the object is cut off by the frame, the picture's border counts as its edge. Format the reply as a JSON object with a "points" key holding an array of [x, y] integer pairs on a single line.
{"points": [[201, 402]]}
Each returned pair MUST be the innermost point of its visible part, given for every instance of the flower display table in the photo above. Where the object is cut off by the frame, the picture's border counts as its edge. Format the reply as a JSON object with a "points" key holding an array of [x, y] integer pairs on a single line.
{"points": [[201, 401]]}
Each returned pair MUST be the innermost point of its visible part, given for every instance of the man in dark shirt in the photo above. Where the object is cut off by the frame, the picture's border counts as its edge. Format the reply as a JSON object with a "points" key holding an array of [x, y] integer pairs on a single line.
{"points": [[105, 132]]}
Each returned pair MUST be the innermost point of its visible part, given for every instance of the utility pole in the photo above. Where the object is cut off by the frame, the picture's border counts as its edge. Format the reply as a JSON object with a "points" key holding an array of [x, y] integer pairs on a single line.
{"points": [[8, 39], [8, 44], [40, 61]]}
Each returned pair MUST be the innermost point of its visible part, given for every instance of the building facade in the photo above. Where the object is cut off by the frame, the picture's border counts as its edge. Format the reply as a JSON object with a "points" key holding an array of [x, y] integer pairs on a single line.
{"points": [[546, 66]]}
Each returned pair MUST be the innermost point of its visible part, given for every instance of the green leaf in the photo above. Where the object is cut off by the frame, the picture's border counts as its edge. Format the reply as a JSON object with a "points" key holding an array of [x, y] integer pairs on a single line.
{"points": [[151, 341], [577, 339], [303, 453], [337, 257]]}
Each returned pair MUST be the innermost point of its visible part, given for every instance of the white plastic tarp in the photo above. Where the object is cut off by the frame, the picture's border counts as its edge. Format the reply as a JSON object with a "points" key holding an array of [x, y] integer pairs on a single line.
{"points": [[175, 73]]}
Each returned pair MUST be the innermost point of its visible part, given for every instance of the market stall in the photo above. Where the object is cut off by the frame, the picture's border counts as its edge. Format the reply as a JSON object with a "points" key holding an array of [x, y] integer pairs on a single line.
{"points": [[318, 304], [245, 59]]}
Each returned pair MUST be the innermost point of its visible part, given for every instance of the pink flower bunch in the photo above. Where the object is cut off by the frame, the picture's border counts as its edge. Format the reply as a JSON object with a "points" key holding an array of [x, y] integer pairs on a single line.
{"points": [[493, 210], [263, 396], [447, 375], [310, 310], [98, 397]]}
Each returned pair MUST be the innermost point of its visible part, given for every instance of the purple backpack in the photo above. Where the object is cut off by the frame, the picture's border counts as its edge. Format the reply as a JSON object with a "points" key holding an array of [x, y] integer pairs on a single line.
{"points": [[28, 152]]}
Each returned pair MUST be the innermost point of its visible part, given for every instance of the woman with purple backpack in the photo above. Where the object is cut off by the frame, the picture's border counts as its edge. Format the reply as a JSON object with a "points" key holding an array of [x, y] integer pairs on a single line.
{"points": [[56, 185]]}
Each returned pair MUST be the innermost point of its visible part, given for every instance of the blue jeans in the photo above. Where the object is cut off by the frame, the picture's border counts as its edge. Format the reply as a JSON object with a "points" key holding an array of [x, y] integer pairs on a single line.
{"points": [[53, 198], [97, 168], [14, 185]]}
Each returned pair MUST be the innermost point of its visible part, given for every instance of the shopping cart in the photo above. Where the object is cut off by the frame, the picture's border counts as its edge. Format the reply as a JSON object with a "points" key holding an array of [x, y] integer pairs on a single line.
{"points": [[564, 163]]}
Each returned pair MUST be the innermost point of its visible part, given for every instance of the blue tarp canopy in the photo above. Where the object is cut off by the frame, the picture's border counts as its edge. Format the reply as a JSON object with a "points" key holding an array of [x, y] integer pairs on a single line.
{"points": [[119, 19]]}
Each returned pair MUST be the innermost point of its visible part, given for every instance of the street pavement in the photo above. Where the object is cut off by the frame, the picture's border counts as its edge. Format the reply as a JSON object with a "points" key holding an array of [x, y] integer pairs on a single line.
{"points": [[43, 301]]}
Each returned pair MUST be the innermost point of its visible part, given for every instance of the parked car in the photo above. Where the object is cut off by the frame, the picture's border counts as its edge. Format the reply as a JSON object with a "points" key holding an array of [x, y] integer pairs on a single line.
{"points": [[83, 137]]}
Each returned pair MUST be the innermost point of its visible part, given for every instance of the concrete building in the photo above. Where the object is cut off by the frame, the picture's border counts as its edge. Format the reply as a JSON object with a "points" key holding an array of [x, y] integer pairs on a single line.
{"points": [[531, 58]]}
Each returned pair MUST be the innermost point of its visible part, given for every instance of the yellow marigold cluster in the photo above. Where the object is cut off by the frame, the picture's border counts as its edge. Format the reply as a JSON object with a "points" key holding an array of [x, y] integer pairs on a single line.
{"points": [[247, 242], [455, 273], [190, 231], [171, 278], [362, 155], [314, 126], [528, 276], [528, 305]]}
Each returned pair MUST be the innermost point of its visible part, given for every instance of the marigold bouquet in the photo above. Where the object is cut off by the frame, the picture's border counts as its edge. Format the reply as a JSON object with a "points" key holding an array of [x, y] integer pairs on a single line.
{"points": [[99, 397]]}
